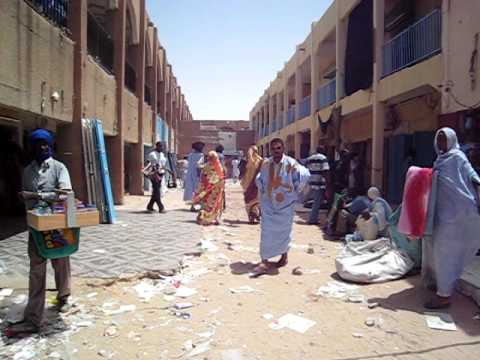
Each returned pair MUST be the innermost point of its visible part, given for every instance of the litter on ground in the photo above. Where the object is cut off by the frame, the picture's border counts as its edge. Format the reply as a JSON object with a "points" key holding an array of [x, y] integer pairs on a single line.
{"points": [[293, 322], [337, 290], [440, 321], [242, 290]]}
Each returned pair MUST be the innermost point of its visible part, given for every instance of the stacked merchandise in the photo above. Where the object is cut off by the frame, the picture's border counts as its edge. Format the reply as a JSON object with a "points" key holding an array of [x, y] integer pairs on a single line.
{"points": [[96, 169]]}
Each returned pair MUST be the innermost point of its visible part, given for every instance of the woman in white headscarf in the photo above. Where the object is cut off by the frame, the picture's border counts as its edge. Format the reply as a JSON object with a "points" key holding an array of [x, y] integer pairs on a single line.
{"points": [[380, 210], [456, 228]]}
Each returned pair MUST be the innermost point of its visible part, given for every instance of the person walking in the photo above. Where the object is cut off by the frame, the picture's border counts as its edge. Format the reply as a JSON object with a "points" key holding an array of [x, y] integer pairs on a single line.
{"points": [[192, 178], [41, 178], [235, 169], [247, 181], [219, 150], [210, 193], [279, 182], [182, 165], [318, 166], [456, 227], [156, 170]]}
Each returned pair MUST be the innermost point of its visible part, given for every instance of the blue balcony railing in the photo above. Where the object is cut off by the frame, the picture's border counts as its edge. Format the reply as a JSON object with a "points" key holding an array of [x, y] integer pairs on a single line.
{"points": [[291, 114], [304, 109], [326, 94], [416, 43]]}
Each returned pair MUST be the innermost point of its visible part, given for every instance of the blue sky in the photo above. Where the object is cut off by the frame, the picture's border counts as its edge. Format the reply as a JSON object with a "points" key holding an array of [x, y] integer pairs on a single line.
{"points": [[224, 53]]}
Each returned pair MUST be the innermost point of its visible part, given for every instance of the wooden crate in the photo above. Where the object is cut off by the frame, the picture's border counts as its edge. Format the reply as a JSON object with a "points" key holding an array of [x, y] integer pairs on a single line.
{"points": [[59, 221]]}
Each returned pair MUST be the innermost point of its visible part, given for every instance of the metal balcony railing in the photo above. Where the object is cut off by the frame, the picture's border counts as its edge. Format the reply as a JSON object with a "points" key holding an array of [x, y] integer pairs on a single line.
{"points": [[326, 94], [280, 120], [291, 115], [416, 43], [273, 126], [54, 10], [304, 109]]}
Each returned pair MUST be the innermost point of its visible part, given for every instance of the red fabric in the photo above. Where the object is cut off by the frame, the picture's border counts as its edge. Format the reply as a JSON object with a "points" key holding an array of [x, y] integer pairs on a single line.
{"points": [[413, 217]]}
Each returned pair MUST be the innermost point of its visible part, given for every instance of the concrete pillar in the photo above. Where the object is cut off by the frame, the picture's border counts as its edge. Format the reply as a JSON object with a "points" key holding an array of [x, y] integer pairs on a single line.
{"points": [[270, 114], [298, 88], [136, 183], [313, 72], [340, 48], [285, 97], [70, 151], [117, 149], [378, 107], [313, 139], [297, 143], [154, 86], [168, 116]]}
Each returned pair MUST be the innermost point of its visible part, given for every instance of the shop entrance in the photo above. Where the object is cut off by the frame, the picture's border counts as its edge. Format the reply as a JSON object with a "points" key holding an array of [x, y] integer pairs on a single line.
{"points": [[12, 161]]}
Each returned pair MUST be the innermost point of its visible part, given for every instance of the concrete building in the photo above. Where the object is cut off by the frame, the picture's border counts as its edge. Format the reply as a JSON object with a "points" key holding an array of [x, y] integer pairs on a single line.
{"points": [[378, 77], [61, 61], [235, 136]]}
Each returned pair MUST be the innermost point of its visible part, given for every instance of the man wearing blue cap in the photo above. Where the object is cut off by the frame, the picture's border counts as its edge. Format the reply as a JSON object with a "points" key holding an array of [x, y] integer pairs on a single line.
{"points": [[41, 178]]}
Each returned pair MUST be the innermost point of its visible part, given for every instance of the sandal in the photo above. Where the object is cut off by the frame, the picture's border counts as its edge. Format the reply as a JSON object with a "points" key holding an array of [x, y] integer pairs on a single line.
{"points": [[438, 302], [261, 269], [282, 262], [20, 328]]}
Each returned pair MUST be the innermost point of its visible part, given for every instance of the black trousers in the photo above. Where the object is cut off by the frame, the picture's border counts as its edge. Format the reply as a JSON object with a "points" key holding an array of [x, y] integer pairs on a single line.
{"points": [[156, 196]]}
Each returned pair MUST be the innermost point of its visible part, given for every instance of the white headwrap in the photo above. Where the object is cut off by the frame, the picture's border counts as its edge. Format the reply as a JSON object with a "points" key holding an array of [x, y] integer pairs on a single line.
{"points": [[373, 193], [452, 140]]}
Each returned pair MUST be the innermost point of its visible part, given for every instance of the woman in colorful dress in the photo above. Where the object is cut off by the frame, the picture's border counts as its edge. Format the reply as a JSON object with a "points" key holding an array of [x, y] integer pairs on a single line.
{"points": [[211, 191], [250, 190]]}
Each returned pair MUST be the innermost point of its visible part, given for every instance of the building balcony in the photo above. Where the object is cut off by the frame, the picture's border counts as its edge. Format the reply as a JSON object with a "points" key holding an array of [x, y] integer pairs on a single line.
{"points": [[326, 94], [99, 44], [291, 115], [414, 44], [54, 10], [305, 106]]}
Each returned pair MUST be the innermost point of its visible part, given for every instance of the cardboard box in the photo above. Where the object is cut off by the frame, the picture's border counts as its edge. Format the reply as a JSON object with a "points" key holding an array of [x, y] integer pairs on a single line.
{"points": [[59, 221]]}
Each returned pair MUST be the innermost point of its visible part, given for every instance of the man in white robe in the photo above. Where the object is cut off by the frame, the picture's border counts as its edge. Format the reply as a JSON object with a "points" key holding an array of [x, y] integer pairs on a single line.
{"points": [[279, 182]]}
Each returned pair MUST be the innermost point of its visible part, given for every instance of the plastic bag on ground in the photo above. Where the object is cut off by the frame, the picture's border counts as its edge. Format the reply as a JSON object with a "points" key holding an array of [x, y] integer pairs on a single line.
{"points": [[372, 262]]}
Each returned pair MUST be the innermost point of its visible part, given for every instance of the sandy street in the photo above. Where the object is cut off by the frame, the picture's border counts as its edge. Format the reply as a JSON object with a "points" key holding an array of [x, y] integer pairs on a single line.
{"points": [[230, 316]]}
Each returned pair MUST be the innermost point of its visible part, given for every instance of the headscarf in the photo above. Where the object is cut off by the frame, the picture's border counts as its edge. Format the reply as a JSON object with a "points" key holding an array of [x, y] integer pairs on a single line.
{"points": [[380, 208], [214, 163], [198, 146], [453, 148], [42, 135], [373, 193], [252, 154], [452, 140], [252, 168]]}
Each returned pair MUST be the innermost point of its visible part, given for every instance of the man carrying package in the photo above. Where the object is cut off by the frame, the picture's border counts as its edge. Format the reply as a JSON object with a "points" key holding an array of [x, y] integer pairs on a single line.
{"points": [[41, 178]]}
